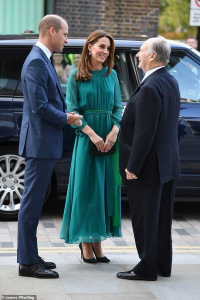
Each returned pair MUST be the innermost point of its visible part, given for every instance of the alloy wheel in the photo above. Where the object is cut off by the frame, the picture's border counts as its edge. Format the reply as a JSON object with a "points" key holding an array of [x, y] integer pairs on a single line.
{"points": [[12, 169]]}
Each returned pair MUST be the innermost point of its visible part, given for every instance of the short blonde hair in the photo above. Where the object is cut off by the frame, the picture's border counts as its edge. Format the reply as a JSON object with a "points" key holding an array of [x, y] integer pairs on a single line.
{"points": [[50, 21]]}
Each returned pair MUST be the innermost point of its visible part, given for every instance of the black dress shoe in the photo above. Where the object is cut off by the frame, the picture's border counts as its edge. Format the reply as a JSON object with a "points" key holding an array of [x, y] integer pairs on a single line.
{"points": [[164, 275], [132, 276], [36, 270], [47, 265]]}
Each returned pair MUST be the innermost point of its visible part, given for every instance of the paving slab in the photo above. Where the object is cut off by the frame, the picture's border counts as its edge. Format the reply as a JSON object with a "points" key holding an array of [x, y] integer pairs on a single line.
{"points": [[80, 281], [97, 282], [183, 284], [12, 284], [53, 297], [127, 296], [98, 279]]}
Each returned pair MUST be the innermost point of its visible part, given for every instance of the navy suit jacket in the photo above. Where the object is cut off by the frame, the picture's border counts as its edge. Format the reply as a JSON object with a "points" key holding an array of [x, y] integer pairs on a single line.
{"points": [[44, 111], [149, 130]]}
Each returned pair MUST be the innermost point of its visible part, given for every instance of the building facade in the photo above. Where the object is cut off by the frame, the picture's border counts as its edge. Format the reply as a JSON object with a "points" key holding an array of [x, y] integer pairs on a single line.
{"points": [[17, 16], [121, 18]]}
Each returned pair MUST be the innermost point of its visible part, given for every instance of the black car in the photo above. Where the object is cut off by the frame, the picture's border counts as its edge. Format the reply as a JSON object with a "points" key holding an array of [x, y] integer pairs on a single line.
{"points": [[184, 65]]}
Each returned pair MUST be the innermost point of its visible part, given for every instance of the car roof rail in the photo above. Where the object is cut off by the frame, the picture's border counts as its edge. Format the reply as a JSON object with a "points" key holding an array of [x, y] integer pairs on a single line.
{"points": [[19, 36], [23, 36], [134, 38], [138, 37]]}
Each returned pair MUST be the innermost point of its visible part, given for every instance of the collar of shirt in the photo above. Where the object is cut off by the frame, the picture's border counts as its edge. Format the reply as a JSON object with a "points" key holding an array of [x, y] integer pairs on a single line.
{"points": [[150, 72], [44, 49]]}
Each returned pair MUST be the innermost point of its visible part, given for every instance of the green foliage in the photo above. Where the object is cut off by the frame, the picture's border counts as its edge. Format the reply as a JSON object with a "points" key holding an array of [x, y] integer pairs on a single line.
{"points": [[163, 4], [174, 15]]}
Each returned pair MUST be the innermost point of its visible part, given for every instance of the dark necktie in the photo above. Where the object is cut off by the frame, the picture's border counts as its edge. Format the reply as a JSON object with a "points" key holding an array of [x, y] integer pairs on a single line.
{"points": [[52, 60]]}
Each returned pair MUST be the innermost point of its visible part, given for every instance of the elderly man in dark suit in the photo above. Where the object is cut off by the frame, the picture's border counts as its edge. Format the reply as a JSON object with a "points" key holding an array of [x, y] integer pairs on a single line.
{"points": [[149, 160], [41, 139]]}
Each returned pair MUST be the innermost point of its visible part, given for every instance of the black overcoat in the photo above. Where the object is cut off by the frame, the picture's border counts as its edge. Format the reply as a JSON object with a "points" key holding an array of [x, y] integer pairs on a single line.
{"points": [[149, 130]]}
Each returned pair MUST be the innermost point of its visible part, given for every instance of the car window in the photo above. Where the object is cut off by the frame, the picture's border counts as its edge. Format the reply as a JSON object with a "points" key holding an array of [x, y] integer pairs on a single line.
{"points": [[120, 66], [187, 73], [66, 62], [11, 62]]}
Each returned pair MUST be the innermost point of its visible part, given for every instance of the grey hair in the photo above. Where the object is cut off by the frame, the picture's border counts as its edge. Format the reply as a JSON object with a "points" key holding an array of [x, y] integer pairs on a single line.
{"points": [[160, 46]]}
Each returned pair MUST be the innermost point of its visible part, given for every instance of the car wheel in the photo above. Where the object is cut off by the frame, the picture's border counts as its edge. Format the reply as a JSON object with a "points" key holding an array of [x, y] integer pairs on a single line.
{"points": [[12, 169]]}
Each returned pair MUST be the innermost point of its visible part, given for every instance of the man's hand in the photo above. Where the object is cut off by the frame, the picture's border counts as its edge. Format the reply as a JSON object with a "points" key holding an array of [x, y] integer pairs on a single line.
{"points": [[130, 176], [124, 107], [74, 119]]}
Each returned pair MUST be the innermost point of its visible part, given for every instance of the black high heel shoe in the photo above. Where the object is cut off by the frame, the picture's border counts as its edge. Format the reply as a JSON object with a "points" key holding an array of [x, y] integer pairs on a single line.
{"points": [[87, 260], [103, 259]]}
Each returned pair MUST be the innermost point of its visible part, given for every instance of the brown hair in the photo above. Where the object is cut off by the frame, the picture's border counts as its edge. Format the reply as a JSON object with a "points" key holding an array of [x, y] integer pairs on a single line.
{"points": [[50, 21], [84, 67]]}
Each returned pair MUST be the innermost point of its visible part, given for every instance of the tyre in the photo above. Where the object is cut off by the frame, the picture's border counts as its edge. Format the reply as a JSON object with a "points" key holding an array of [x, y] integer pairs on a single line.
{"points": [[12, 168]]}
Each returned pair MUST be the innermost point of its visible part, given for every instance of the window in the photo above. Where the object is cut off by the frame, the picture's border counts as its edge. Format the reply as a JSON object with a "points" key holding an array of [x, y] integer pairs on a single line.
{"points": [[66, 62], [120, 66], [187, 73], [11, 62]]}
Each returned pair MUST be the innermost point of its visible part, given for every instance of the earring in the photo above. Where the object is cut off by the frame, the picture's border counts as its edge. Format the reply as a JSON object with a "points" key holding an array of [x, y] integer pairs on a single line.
{"points": [[90, 53]]}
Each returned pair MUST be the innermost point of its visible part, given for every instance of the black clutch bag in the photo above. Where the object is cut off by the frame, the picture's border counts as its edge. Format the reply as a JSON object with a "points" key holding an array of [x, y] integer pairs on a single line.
{"points": [[94, 151]]}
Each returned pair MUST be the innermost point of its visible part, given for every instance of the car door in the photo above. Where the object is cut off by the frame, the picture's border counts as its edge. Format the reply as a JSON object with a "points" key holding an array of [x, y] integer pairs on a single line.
{"points": [[185, 67], [8, 85], [11, 105]]}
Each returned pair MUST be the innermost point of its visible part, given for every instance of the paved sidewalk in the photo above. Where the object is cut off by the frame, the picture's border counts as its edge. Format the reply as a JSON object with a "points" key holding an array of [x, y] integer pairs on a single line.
{"points": [[98, 282], [79, 280], [185, 230]]}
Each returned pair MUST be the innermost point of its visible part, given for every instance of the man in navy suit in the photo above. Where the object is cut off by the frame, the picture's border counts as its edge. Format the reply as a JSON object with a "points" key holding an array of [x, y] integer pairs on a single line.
{"points": [[41, 139], [149, 160]]}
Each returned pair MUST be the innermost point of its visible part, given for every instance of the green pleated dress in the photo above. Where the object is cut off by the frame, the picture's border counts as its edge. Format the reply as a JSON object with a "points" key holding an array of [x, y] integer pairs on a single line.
{"points": [[93, 203]]}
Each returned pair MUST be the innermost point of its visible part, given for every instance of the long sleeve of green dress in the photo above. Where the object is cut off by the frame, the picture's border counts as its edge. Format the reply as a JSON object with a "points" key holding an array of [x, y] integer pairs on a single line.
{"points": [[117, 109], [72, 99], [93, 203]]}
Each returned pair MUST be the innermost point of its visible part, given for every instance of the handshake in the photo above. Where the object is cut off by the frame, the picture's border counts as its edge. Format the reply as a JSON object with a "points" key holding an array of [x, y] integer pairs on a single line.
{"points": [[74, 119]]}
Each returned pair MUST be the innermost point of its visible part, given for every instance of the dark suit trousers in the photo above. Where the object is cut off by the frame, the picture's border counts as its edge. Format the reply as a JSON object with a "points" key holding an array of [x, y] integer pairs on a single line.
{"points": [[36, 180], [151, 207]]}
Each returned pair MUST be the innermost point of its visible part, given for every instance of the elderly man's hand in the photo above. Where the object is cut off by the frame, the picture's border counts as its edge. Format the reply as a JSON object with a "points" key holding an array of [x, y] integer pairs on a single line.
{"points": [[130, 176]]}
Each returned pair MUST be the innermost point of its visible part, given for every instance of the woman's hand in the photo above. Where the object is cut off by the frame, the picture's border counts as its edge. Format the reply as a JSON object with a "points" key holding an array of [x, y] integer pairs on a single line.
{"points": [[74, 119], [98, 141], [111, 138]]}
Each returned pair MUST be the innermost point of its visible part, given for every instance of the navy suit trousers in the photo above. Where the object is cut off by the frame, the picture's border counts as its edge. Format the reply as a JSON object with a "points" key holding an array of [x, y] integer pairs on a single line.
{"points": [[151, 207], [38, 174]]}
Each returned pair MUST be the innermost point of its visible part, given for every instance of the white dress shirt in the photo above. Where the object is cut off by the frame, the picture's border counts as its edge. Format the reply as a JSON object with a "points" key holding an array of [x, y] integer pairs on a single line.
{"points": [[44, 49], [150, 72]]}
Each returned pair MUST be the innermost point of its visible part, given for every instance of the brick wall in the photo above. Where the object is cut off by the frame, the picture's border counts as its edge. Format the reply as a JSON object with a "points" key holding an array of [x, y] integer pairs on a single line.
{"points": [[121, 18]]}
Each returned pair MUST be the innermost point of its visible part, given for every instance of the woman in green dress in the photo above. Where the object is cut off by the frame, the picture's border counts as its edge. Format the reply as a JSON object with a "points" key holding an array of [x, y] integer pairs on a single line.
{"points": [[93, 204]]}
